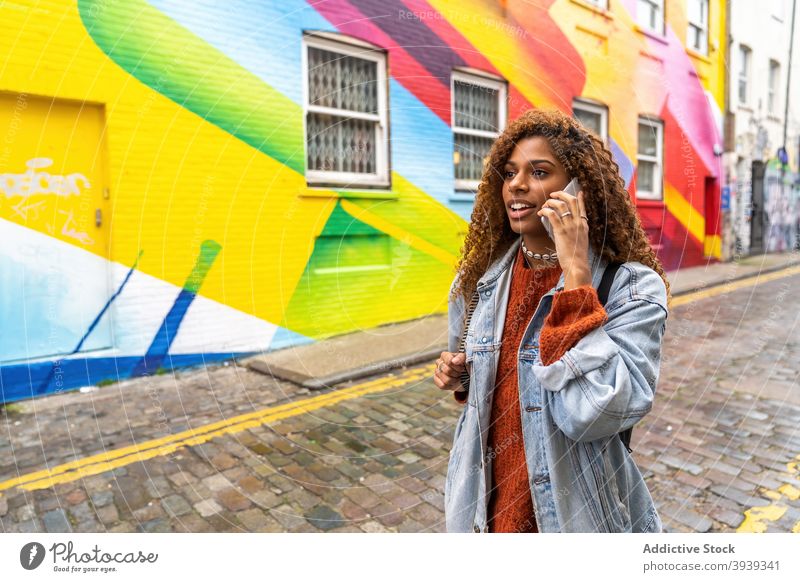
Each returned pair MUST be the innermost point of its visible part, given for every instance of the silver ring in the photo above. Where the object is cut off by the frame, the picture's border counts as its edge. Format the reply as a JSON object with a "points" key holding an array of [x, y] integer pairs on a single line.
{"points": [[566, 213], [439, 367]]}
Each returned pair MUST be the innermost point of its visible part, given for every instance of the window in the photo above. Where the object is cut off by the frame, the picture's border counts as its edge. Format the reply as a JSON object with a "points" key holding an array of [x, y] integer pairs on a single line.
{"points": [[345, 113], [650, 15], [479, 115], [774, 85], [697, 35], [649, 159], [744, 74], [592, 116]]}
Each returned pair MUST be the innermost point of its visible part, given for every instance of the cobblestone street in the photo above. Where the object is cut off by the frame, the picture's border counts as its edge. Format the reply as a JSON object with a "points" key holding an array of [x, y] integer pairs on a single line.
{"points": [[720, 450]]}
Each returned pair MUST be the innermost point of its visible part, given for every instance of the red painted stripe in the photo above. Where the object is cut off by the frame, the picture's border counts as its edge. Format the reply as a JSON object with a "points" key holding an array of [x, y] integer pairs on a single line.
{"points": [[402, 67]]}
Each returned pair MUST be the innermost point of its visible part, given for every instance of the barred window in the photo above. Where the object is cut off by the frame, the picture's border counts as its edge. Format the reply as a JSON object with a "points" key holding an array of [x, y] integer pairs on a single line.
{"points": [[346, 113], [478, 117]]}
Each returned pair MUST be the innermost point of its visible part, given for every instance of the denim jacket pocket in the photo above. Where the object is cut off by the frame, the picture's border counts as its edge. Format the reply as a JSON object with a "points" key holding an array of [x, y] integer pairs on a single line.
{"points": [[598, 486], [586, 482], [469, 349], [611, 481], [477, 345], [529, 351], [480, 353], [455, 450], [488, 462]]}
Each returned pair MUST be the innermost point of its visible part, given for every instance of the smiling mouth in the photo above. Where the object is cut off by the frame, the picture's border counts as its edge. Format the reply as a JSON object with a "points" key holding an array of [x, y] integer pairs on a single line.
{"points": [[520, 212]]}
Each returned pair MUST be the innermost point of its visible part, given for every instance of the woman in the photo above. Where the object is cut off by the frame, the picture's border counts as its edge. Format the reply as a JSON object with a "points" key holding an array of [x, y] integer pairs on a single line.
{"points": [[554, 375]]}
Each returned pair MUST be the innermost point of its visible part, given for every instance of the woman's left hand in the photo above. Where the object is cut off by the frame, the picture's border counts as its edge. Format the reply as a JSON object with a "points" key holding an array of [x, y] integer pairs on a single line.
{"points": [[571, 234]]}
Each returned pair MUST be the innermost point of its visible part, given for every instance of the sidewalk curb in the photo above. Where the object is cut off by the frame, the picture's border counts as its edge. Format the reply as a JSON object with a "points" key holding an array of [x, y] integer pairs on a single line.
{"points": [[737, 278], [350, 375]]}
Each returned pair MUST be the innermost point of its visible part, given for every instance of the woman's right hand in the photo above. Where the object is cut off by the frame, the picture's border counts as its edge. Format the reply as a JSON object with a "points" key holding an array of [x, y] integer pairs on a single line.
{"points": [[449, 368]]}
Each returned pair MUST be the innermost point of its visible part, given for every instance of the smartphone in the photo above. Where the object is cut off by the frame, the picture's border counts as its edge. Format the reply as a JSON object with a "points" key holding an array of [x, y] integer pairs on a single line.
{"points": [[572, 188]]}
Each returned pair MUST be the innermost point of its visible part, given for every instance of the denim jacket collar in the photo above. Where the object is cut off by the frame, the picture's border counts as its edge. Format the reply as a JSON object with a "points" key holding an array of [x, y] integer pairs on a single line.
{"points": [[596, 262]]}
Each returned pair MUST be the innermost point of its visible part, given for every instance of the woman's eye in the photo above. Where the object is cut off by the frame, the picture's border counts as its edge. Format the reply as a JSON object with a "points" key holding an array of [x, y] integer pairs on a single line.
{"points": [[508, 175], [539, 173]]}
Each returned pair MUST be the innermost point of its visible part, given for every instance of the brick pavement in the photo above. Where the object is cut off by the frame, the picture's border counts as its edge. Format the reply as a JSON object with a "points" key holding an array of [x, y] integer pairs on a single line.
{"points": [[723, 436], [719, 450]]}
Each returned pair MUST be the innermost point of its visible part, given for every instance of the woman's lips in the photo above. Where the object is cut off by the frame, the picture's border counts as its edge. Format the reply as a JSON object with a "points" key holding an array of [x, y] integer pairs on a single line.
{"points": [[520, 214]]}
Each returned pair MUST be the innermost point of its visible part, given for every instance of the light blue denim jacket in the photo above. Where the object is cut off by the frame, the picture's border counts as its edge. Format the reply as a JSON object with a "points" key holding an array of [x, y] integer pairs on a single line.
{"points": [[581, 476]]}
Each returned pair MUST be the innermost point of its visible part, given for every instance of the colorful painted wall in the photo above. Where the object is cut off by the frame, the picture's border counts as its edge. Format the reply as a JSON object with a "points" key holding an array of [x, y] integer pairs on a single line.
{"points": [[781, 208], [154, 209]]}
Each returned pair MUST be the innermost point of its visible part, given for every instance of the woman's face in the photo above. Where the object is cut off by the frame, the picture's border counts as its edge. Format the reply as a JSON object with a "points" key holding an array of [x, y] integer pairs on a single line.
{"points": [[529, 175]]}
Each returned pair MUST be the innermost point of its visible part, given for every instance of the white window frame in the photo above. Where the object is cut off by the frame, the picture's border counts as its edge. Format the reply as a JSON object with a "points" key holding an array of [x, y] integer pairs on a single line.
{"points": [[595, 107], [659, 5], [658, 159], [773, 86], [481, 80], [745, 57], [701, 26], [354, 48]]}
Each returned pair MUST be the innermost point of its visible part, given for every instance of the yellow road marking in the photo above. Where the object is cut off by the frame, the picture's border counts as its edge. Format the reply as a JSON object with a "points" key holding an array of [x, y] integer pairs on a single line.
{"points": [[755, 518], [107, 461], [100, 463], [734, 285], [790, 491]]}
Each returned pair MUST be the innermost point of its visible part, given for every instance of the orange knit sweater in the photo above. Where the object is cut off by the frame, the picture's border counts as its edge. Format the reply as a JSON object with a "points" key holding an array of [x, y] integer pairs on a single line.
{"points": [[574, 313]]}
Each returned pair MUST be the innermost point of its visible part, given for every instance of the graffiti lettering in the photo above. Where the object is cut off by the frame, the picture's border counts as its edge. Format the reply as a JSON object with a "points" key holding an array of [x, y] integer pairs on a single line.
{"points": [[34, 182], [68, 230]]}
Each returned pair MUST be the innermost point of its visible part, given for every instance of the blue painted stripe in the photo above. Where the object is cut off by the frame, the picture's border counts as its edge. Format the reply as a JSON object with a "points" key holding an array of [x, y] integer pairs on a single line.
{"points": [[108, 303], [24, 381], [47, 380], [624, 163], [165, 335]]}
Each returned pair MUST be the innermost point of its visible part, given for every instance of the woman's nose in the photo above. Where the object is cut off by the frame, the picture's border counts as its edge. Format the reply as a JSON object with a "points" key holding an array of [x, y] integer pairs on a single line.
{"points": [[518, 183]]}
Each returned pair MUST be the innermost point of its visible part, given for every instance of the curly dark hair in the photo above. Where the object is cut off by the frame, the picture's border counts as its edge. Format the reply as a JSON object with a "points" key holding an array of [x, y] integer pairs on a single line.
{"points": [[615, 230]]}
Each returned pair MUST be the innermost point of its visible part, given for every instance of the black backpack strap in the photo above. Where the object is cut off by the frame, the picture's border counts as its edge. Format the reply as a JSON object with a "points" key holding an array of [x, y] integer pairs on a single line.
{"points": [[602, 294], [625, 437], [608, 279]]}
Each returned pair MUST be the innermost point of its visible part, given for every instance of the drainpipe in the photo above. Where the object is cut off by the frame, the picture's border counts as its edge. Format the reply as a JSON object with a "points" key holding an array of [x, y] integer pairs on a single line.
{"points": [[727, 78], [786, 118], [728, 138], [788, 77]]}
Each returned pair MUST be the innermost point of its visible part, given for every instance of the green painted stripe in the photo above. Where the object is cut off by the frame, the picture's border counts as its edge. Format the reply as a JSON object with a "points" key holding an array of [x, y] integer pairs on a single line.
{"points": [[208, 252], [171, 60]]}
